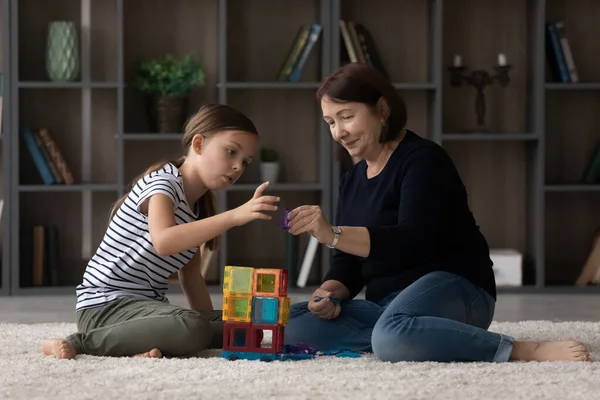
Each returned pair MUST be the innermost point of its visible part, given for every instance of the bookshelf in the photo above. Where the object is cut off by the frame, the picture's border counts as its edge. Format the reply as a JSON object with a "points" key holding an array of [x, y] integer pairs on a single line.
{"points": [[571, 212], [524, 187], [522, 176], [106, 140], [5, 146]]}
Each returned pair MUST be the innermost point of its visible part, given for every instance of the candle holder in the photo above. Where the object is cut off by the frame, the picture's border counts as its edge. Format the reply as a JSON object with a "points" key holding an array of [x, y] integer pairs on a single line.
{"points": [[479, 79]]}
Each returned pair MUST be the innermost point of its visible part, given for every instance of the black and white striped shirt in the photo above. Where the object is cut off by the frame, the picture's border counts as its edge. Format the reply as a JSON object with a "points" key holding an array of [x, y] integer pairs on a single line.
{"points": [[126, 263]]}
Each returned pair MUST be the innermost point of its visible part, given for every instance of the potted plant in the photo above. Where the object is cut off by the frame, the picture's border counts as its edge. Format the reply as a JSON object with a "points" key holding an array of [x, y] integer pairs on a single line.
{"points": [[167, 82], [269, 165]]}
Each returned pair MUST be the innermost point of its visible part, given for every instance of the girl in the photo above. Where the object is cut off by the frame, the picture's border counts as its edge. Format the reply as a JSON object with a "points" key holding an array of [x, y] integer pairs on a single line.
{"points": [[159, 228]]}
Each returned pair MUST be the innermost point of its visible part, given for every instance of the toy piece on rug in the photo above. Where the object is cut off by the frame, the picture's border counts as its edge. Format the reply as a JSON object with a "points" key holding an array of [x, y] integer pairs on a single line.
{"points": [[303, 348], [334, 300]]}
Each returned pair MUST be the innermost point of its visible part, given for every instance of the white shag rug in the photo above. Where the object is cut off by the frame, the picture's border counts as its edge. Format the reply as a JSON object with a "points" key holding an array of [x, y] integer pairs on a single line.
{"points": [[26, 374]]}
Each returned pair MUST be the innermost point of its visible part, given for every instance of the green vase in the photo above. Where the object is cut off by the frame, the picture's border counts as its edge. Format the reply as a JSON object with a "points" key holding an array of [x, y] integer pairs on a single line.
{"points": [[62, 51]]}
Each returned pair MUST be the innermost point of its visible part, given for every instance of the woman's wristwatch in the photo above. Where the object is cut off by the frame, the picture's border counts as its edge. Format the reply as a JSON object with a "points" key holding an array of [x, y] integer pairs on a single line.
{"points": [[337, 231]]}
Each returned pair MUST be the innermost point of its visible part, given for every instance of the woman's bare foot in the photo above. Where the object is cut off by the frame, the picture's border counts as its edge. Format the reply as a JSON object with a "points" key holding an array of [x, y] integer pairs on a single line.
{"points": [[154, 353], [59, 348], [559, 350]]}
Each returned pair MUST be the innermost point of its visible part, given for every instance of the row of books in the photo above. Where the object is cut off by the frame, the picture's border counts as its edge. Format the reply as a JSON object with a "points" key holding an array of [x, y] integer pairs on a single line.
{"points": [[301, 48], [42, 262], [46, 156], [356, 45], [559, 56]]}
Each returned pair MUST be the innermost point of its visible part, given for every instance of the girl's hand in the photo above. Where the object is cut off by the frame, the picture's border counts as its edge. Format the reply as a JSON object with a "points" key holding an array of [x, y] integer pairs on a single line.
{"points": [[253, 208], [310, 219], [323, 306]]}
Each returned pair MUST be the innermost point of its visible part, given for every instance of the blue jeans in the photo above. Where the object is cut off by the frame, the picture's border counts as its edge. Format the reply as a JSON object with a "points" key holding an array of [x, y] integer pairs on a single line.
{"points": [[441, 317]]}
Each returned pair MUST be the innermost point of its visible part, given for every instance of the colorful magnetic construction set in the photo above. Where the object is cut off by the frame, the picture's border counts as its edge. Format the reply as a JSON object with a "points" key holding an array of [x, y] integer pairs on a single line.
{"points": [[254, 300]]}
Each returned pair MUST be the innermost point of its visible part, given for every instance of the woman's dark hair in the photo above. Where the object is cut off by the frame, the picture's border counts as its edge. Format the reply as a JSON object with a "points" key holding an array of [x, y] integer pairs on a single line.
{"points": [[357, 82]]}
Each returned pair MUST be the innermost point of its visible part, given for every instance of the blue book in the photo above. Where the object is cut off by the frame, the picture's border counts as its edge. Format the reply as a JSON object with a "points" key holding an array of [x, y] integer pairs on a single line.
{"points": [[38, 157], [313, 36]]}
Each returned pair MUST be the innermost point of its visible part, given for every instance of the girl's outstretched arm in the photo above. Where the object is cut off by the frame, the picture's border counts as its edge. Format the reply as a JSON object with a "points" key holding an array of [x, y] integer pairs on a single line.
{"points": [[193, 284], [169, 238]]}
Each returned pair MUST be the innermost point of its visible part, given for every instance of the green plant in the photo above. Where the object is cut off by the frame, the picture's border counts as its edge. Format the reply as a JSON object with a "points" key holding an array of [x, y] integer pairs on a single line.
{"points": [[168, 76], [268, 155]]}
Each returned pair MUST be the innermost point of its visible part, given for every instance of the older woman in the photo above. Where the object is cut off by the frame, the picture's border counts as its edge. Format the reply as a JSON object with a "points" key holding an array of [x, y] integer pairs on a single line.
{"points": [[405, 232]]}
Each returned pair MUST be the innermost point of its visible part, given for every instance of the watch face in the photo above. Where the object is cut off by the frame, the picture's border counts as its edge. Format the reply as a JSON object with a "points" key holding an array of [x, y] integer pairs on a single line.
{"points": [[337, 229]]}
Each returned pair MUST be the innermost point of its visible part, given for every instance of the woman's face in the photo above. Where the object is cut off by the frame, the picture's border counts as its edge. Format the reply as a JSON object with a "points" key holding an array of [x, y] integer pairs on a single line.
{"points": [[354, 125]]}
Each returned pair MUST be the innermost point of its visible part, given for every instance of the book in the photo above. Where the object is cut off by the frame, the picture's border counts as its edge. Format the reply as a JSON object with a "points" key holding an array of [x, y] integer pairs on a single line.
{"points": [[313, 37], [297, 46], [590, 269], [357, 45]]}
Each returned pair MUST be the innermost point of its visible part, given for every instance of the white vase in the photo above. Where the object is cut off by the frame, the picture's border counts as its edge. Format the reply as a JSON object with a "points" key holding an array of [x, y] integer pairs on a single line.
{"points": [[269, 171]]}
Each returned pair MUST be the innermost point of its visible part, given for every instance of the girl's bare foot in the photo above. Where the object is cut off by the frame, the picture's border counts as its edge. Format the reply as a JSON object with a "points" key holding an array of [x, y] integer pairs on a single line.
{"points": [[559, 350], [154, 353], [59, 348]]}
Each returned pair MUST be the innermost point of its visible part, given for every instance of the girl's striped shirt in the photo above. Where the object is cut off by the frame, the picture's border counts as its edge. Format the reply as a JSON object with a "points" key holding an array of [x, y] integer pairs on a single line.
{"points": [[126, 263]]}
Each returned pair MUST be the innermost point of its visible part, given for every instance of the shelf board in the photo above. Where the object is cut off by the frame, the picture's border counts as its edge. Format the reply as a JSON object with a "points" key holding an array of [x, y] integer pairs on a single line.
{"points": [[70, 188], [152, 136], [270, 85], [572, 187], [414, 85], [293, 187], [46, 291], [573, 86], [314, 85], [482, 136], [66, 85], [531, 289]]}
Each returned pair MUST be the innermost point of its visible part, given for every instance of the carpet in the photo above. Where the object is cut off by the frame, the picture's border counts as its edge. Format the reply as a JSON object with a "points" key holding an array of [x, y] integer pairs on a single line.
{"points": [[26, 374]]}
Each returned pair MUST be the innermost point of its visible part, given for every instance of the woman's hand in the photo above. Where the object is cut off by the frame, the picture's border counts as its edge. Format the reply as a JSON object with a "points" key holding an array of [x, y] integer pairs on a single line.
{"points": [[323, 306], [310, 219], [253, 208]]}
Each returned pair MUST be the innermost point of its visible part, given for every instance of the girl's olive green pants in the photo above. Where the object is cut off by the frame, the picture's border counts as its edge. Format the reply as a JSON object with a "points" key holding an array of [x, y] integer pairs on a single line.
{"points": [[126, 327]]}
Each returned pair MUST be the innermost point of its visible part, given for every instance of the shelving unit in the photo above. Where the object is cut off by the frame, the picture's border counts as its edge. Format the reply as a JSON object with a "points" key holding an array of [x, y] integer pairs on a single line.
{"points": [[106, 139], [503, 168], [523, 177], [572, 131], [5, 146], [504, 156], [286, 115], [514, 173]]}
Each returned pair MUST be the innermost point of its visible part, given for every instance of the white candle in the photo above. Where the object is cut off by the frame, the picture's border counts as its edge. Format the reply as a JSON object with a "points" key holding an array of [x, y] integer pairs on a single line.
{"points": [[501, 59], [457, 60]]}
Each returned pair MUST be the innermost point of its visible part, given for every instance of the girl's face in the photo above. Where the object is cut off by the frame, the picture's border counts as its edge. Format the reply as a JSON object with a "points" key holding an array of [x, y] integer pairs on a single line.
{"points": [[222, 158], [354, 125]]}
